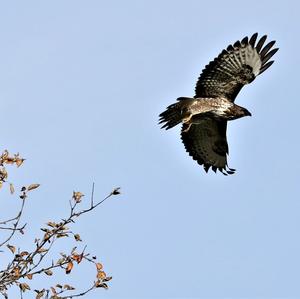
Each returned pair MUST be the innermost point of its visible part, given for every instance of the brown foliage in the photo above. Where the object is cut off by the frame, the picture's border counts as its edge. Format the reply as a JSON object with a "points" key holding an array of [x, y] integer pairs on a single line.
{"points": [[25, 266]]}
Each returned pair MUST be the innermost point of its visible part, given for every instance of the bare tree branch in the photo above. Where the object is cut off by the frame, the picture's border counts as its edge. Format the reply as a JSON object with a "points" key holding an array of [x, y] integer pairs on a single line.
{"points": [[27, 265], [14, 227]]}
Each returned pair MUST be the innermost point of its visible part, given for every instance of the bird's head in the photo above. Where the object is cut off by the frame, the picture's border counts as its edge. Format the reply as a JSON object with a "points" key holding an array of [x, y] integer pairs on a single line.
{"points": [[238, 112]]}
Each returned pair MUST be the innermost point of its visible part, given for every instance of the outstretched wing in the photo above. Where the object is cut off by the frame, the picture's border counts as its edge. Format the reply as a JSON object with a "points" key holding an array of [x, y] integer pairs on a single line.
{"points": [[236, 66], [206, 143]]}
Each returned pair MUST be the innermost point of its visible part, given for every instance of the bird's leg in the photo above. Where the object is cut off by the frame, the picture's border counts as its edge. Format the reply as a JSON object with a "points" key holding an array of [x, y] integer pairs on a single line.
{"points": [[187, 120], [186, 130]]}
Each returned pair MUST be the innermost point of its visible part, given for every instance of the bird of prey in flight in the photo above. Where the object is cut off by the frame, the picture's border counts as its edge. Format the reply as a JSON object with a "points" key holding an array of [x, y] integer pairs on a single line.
{"points": [[204, 117]]}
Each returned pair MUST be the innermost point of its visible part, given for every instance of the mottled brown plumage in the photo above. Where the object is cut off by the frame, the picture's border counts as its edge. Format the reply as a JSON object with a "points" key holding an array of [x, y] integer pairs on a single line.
{"points": [[205, 116]]}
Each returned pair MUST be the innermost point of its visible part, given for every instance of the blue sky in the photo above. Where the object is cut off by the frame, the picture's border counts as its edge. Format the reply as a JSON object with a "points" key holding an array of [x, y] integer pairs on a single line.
{"points": [[82, 84]]}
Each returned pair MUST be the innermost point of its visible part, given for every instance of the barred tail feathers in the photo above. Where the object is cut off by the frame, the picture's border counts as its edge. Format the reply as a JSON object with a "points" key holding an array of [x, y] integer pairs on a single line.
{"points": [[175, 113]]}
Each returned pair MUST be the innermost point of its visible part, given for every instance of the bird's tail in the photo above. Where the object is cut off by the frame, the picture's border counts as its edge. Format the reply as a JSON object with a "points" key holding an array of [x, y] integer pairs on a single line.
{"points": [[175, 113]]}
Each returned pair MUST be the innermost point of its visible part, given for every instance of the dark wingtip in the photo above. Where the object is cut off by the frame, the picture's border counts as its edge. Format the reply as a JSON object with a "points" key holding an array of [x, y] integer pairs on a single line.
{"points": [[244, 41], [267, 47], [237, 44], [230, 48], [230, 172], [223, 171], [206, 167], [253, 39], [268, 56], [261, 43], [227, 170], [266, 66], [165, 127]]}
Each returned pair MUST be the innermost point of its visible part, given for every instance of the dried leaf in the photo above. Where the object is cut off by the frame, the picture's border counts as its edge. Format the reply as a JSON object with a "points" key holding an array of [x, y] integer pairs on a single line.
{"points": [[108, 278], [3, 174], [11, 248], [29, 276], [40, 294], [52, 224], [23, 253], [48, 272], [99, 266], [19, 162], [101, 275], [1, 184], [16, 271], [62, 235], [33, 186], [99, 284], [46, 237], [68, 287], [5, 153], [41, 250], [9, 160], [11, 188], [24, 286], [77, 196], [69, 267], [60, 261], [77, 237], [59, 286], [77, 257], [53, 290]]}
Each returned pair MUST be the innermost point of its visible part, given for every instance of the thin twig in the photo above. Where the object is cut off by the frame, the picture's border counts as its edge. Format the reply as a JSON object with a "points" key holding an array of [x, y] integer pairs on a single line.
{"points": [[30, 263], [92, 196], [15, 225], [79, 294]]}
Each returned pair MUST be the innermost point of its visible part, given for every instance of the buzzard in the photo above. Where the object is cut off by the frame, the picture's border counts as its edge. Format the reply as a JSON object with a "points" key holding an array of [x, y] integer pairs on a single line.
{"points": [[204, 117]]}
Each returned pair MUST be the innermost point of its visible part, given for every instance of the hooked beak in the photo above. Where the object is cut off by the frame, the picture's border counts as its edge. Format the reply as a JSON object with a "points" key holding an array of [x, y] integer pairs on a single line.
{"points": [[247, 113]]}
